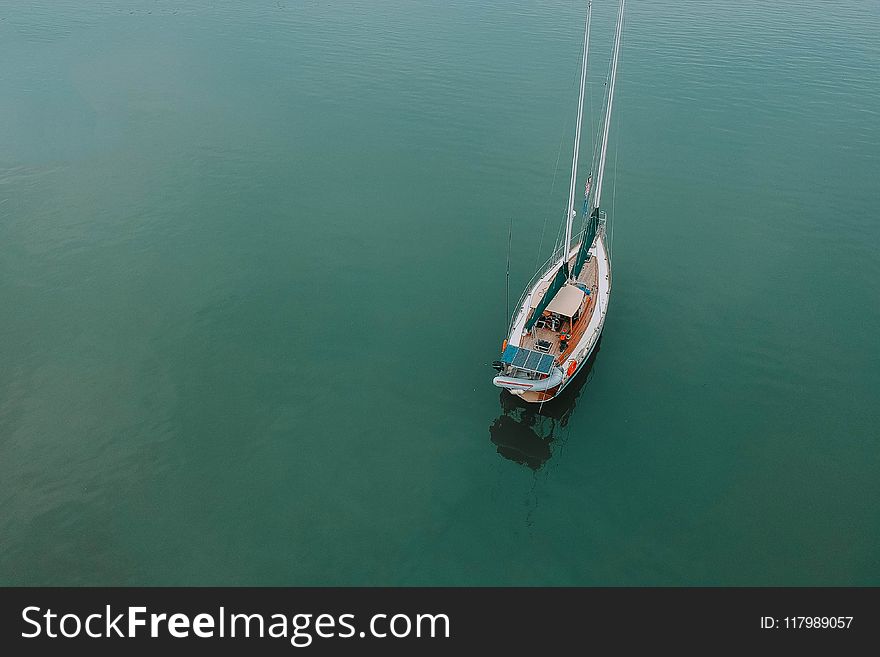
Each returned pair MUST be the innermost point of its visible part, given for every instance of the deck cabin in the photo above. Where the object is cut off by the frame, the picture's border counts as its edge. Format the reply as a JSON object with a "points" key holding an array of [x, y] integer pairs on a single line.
{"points": [[566, 317]]}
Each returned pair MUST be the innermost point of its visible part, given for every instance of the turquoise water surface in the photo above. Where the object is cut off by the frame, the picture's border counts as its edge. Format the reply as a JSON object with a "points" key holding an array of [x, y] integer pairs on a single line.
{"points": [[252, 278]]}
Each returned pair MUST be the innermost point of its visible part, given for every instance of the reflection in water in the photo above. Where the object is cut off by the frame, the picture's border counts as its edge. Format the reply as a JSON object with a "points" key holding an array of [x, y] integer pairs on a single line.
{"points": [[524, 432]]}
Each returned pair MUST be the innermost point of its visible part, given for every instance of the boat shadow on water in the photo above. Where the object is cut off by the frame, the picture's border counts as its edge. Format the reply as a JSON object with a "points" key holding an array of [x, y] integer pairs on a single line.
{"points": [[524, 433]]}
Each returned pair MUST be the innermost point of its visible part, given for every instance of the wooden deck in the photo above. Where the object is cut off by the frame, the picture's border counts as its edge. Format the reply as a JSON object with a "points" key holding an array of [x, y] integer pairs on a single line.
{"points": [[590, 276]]}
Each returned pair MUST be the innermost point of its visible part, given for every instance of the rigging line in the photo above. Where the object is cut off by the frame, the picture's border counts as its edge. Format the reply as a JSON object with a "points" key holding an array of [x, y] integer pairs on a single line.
{"points": [[607, 126], [614, 194], [586, 211], [569, 215], [507, 296], [594, 160], [614, 184], [552, 186], [558, 243], [597, 144]]}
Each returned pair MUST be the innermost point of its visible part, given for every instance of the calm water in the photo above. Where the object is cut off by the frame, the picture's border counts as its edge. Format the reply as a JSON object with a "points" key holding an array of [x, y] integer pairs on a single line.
{"points": [[252, 277]]}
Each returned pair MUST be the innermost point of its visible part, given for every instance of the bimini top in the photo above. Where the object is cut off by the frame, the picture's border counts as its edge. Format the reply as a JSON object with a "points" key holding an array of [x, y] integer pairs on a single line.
{"points": [[526, 359], [567, 301]]}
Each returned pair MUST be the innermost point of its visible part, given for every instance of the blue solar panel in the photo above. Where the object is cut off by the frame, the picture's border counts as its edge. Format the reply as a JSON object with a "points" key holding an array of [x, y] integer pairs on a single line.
{"points": [[509, 352], [526, 359], [533, 360]]}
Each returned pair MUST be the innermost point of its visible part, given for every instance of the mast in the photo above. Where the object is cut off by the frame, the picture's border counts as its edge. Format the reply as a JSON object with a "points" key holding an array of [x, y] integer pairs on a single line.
{"points": [[601, 173], [577, 138]]}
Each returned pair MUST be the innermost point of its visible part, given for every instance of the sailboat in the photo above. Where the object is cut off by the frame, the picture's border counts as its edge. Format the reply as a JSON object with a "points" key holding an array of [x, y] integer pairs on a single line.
{"points": [[559, 318]]}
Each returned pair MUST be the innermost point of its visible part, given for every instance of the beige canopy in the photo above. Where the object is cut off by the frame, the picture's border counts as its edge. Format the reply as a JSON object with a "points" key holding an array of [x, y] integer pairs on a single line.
{"points": [[567, 301]]}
